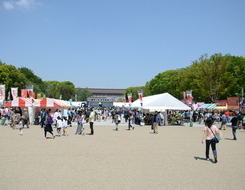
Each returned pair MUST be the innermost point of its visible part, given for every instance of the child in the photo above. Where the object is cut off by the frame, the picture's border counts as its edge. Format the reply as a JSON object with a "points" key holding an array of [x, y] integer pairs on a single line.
{"points": [[117, 120], [64, 126], [21, 126], [59, 126]]}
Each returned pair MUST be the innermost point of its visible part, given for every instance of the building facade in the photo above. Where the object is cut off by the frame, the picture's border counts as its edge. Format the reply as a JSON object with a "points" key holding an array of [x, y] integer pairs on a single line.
{"points": [[105, 97]]}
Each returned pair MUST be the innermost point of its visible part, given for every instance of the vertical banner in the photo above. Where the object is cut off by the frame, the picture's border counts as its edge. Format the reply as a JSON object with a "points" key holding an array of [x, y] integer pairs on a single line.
{"points": [[23, 93], [14, 92], [140, 95], [30, 91], [189, 97], [130, 98], [233, 103], [2, 93], [31, 94], [124, 99]]}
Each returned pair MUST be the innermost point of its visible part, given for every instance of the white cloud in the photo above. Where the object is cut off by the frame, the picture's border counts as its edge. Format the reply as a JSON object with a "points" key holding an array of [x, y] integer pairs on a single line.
{"points": [[20, 4], [8, 5]]}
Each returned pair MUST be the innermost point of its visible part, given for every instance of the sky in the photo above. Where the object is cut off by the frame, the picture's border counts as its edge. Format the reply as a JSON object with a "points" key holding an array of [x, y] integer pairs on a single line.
{"points": [[116, 43]]}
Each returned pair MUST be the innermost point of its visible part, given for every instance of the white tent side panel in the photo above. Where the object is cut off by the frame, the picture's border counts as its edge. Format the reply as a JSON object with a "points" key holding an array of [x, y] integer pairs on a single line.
{"points": [[161, 101]]}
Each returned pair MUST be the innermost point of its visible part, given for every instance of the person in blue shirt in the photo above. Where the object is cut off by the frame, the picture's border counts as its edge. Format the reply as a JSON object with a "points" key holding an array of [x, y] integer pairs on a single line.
{"points": [[223, 122]]}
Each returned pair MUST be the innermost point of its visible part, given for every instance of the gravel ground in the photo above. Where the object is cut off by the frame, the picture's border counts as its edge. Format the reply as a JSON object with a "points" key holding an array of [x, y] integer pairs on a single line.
{"points": [[136, 159]]}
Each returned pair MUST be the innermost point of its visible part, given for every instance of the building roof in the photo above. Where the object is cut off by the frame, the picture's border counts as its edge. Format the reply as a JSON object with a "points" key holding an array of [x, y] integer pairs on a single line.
{"points": [[106, 91]]}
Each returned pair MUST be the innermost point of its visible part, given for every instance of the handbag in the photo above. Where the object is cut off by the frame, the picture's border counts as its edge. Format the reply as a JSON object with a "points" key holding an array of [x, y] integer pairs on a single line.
{"points": [[216, 138]]}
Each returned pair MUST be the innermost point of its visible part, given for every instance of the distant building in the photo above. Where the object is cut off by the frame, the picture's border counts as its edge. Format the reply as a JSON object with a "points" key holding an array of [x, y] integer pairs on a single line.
{"points": [[105, 97]]}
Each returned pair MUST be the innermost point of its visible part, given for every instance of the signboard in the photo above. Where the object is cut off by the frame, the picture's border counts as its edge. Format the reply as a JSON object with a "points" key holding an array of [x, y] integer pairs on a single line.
{"points": [[100, 100], [233, 103], [220, 103]]}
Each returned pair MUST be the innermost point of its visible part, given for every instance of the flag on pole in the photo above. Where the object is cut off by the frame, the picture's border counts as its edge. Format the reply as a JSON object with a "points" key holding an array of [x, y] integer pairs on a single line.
{"points": [[124, 100], [30, 91], [2, 92], [130, 98], [140, 95], [23, 93], [189, 97], [14, 92]]}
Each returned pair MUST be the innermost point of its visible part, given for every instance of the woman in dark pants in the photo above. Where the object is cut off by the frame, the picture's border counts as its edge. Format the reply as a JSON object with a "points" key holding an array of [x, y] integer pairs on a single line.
{"points": [[209, 131], [234, 121], [48, 126]]}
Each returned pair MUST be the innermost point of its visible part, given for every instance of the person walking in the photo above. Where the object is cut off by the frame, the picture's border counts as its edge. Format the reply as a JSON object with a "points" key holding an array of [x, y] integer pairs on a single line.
{"points": [[91, 121], [155, 122], [64, 126], [234, 122], [21, 126], [25, 117], [48, 126], [239, 120], [43, 116], [117, 119], [81, 119], [58, 125], [210, 131], [223, 122], [130, 120]]}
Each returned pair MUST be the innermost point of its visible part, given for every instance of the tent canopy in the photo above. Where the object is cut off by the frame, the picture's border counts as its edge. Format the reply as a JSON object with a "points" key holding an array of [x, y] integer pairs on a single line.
{"points": [[163, 101], [20, 102], [207, 106], [50, 102]]}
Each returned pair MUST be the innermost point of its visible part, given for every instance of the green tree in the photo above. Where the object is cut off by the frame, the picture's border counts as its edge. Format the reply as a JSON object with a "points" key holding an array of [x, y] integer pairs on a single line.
{"points": [[82, 94], [10, 76], [64, 89], [134, 92], [67, 90], [168, 81], [32, 79], [52, 90], [213, 78]]}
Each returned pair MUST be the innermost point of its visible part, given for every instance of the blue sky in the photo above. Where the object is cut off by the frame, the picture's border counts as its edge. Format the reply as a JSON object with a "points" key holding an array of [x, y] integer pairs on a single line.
{"points": [[116, 43]]}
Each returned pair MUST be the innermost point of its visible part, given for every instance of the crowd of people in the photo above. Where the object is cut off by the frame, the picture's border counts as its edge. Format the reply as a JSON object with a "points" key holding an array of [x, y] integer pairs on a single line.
{"points": [[19, 118]]}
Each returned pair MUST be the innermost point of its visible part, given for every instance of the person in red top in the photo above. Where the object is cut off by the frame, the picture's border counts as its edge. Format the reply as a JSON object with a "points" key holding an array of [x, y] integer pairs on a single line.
{"points": [[209, 131], [227, 113]]}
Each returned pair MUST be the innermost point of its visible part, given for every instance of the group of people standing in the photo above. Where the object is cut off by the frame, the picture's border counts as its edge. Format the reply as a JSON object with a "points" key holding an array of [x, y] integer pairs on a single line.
{"points": [[15, 117], [83, 117], [47, 121]]}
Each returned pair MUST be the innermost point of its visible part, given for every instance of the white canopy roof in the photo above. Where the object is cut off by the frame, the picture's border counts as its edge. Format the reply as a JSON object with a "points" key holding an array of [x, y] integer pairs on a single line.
{"points": [[161, 101]]}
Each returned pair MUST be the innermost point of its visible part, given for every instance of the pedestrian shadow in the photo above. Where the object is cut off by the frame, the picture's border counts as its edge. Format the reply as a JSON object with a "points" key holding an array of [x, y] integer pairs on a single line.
{"points": [[229, 139], [152, 133], [199, 158], [203, 159], [49, 138]]}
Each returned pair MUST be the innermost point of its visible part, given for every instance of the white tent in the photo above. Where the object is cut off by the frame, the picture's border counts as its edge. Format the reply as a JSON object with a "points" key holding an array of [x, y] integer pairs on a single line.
{"points": [[163, 101]]}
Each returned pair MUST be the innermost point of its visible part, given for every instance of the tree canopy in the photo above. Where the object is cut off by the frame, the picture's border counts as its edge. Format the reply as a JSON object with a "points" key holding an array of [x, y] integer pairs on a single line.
{"points": [[210, 78], [11, 76]]}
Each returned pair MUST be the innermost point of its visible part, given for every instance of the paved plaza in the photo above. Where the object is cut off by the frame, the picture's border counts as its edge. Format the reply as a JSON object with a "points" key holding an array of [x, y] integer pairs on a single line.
{"points": [[111, 160]]}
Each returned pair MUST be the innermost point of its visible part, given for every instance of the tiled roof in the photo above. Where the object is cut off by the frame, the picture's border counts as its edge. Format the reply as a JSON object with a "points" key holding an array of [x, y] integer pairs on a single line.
{"points": [[106, 91]]}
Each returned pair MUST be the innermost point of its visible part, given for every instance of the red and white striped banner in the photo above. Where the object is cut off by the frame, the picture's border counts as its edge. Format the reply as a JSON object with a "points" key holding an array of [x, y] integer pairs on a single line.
{"points": [[2, 92]]}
